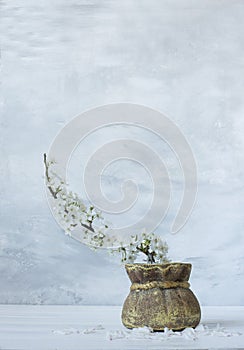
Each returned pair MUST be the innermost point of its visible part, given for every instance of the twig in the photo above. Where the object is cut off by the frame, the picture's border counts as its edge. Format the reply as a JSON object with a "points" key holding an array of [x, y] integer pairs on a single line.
{"points": [[53, 193], [90, 228], [150, 256]]}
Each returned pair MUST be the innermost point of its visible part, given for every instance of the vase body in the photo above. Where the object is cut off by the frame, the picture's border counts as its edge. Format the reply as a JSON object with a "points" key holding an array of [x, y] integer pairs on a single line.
{"points": [[160, 297]]}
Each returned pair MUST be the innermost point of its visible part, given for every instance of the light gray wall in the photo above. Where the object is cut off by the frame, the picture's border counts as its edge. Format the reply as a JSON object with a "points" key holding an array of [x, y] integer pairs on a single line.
{"points": [[59, 58]]}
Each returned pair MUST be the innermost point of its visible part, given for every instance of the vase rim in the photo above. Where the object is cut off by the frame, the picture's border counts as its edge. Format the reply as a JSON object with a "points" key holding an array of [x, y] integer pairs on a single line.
{"points": [[157, 264]]}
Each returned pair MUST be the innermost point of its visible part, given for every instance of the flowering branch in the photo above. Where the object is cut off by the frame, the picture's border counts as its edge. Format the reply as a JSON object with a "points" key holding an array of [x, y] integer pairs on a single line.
{"points": [[72, 212]]}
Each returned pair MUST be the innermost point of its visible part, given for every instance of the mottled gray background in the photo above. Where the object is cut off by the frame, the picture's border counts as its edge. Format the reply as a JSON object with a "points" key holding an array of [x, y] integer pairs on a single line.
{"points": [[59, 58]]}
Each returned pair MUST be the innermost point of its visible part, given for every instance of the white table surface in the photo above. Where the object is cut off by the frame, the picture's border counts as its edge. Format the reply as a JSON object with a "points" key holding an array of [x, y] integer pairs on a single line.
{"points": [[93, 327]]}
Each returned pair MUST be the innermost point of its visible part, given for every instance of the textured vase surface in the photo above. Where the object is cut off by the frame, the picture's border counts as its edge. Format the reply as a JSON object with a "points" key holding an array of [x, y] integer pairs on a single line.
{"points": [[160, 297]]}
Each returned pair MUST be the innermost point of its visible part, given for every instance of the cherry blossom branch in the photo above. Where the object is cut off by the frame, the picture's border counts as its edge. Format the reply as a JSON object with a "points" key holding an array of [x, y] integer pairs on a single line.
{"points": [[72, 212]]}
